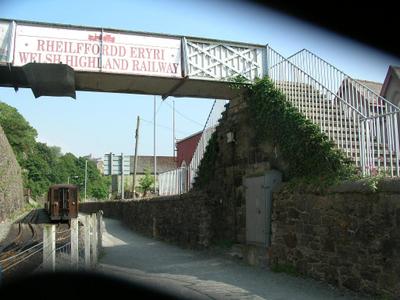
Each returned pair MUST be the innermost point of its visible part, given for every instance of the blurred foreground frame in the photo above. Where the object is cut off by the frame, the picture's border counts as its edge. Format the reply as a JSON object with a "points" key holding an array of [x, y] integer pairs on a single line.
{"points": [[71, 284]]}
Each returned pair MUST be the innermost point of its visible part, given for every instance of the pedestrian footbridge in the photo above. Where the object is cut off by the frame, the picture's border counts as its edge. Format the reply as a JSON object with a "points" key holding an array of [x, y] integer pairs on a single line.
{"points": [[110, 60], [57, 60]]}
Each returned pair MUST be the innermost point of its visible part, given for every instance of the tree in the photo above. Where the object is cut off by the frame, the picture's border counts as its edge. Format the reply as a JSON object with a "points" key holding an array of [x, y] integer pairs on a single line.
{"points": [[43, 165], [146, 182], [20, 134], [98, 185]]}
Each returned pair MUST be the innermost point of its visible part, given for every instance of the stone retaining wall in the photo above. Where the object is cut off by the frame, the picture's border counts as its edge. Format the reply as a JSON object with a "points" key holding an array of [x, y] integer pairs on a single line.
{"points": [[11, 189], [349, 237], [184, 220]]}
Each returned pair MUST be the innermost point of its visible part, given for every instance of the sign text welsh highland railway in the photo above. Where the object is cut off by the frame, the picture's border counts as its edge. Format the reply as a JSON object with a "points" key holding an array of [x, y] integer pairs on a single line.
{"points": [[111, 60]]}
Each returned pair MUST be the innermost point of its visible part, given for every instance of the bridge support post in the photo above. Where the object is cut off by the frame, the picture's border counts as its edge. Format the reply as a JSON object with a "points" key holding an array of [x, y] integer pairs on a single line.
{"points": [[49, 247], [87, 241], [94, 238], [74, 243]]}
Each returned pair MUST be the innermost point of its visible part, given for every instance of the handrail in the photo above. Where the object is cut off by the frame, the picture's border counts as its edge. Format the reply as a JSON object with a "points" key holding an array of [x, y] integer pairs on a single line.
{"points": [[346, 76], [359, 121], [181, 179], [284, 59], [212, 121]]}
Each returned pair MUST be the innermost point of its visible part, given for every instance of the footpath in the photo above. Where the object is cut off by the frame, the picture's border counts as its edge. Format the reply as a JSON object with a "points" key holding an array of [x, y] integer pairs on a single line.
{"points": [[198, 274]]}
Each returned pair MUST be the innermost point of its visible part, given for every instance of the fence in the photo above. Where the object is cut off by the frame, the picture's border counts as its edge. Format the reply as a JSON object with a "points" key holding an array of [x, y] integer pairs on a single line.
{"points": [[361, 123], [61, 249], [379, 118], [173, 182], [81, 251], [180, 180], [355, 117]]}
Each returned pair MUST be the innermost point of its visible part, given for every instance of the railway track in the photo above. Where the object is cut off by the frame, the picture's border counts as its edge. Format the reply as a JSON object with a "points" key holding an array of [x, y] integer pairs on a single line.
{"points": [[24, 243], [27, 244]]}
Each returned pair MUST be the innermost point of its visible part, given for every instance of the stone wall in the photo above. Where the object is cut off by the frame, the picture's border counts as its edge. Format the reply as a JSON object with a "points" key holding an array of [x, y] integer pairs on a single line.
{"points": [[11, 189], [185, 220], [349, 237], [245, 157]]}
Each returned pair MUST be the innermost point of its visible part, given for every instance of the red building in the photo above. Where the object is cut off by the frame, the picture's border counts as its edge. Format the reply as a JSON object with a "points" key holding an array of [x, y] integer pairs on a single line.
{"points": [[185, 149]]}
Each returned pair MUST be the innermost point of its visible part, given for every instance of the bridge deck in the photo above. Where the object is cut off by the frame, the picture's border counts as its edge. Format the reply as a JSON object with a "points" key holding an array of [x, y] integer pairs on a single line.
{"points": [[111, 60], [135, 84]]}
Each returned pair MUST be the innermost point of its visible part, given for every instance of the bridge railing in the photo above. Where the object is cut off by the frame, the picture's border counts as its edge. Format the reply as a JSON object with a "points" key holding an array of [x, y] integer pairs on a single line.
{"points": [[181, 180], [362, 97], [367, 131], [222, 60], [212, 122]]}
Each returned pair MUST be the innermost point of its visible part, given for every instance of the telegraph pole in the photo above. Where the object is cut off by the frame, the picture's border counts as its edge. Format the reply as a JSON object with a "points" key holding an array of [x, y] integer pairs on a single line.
{"points": [[135, 160], [155, 157]]}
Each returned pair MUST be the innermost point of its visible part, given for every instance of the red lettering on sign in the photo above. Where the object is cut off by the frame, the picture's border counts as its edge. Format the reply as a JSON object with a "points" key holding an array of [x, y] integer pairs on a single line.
{"points": [[40, 46]]}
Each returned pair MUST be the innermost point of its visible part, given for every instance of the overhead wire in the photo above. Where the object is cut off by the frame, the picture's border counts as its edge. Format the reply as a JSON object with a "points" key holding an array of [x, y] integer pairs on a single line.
{"points": [[183, 116], [165, 127]]}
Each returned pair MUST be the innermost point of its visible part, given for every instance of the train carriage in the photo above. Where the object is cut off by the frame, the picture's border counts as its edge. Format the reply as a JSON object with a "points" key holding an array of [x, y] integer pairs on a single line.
{"points": [[62, 202]]}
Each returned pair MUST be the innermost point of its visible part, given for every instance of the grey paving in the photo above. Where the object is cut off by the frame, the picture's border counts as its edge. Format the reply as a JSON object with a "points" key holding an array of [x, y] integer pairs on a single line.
{"points": [[198, 274]]}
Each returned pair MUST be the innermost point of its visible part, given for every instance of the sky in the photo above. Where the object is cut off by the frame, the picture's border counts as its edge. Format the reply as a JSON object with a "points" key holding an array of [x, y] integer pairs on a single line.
{"points": [[98, 123]]}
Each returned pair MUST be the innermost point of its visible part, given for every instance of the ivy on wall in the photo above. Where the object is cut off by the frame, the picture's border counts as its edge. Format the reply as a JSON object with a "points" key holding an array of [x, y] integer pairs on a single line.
{"points": [[308, 152]]}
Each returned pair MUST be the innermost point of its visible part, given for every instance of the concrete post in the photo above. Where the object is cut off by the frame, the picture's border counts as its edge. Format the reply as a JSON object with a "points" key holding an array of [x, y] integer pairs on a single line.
{"points": [[74, 243], [87, 241], [49, 247], [99, 215], [94, 239]]}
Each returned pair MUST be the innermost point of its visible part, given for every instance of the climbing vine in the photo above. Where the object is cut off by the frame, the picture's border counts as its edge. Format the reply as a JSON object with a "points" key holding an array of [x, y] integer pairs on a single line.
{"points": [[311, 157], [308, 152]]}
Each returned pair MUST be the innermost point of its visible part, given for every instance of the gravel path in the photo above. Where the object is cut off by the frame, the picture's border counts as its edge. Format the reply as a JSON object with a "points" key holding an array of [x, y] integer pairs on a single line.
{"points": [[198, 274]]}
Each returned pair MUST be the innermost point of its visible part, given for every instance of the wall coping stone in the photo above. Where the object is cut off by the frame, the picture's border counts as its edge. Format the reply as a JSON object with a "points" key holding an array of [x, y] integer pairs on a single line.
{"points": [[361, 186], [389, 185]]}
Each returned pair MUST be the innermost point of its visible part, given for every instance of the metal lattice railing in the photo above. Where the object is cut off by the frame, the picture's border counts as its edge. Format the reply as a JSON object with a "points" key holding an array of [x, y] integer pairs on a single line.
{"points": [[215, 60], [361, 123]]}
